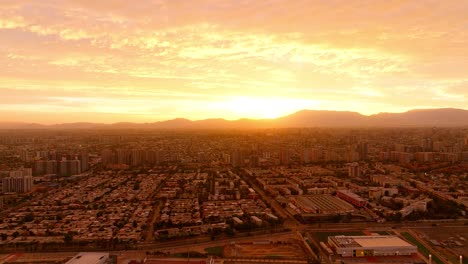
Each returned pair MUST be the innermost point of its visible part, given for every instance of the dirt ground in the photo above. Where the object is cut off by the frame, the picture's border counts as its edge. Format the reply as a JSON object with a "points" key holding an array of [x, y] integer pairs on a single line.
{"points": [[21, 257], [286, 249]]}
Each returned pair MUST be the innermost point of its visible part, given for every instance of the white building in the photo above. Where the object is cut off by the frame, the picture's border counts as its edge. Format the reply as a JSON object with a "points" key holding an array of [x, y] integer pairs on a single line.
{"points": [[363, 246], [89, 258], [257, 221], [420, 206]]}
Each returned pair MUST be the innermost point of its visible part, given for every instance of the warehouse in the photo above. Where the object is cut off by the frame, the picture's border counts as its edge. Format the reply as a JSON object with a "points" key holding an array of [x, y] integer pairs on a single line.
{"points": [[363, 246], [322, 204], [89, 258]]}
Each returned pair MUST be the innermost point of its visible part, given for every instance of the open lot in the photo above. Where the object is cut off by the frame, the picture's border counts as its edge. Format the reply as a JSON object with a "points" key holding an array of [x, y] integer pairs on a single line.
{"points": [[286, 249], [453, 240]]}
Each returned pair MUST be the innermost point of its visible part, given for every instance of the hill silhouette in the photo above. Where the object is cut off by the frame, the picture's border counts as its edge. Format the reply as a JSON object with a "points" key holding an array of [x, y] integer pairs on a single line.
{"points": [[441, 117]]}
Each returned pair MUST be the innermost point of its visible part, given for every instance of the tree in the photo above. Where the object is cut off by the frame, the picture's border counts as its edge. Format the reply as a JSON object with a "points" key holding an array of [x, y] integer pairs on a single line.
{"points": [[4, 236], [68, 238], [229, 231], [29, 217]]}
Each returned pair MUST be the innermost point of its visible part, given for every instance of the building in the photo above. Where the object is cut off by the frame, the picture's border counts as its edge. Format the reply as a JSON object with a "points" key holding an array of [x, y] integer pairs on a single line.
{"points": [[19, 184], [379, 192], [20, 172], [352, 198], [237, 221], [284, 156], [354, 171], [109, 157], [237, 158], [257, 221], [320, 205], [84, 160], [364, 246], [420, 206], [363, 150], [90, 258]]}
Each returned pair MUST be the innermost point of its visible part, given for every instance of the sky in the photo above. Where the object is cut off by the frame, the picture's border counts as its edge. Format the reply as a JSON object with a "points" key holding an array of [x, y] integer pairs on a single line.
{"points": [[151, 60]]}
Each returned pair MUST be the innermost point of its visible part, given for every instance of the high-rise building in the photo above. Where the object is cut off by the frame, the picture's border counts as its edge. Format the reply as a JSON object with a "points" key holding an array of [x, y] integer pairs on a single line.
{"points": [[39, 167], [63, 168], [153, 157], [426, 144], [363, 150], [254, 161], [284, 156], [18, 184], [74, 167], [354, 170], [50, 167], [237, 158], [123, 156], [136, 157], [84, 160], [20, 172], [226, 158], [24, 155], [69, 167], [108, 157]]}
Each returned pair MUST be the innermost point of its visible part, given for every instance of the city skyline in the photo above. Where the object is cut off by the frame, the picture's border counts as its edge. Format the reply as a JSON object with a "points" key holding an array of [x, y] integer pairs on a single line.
{"points": [[108, 62]]}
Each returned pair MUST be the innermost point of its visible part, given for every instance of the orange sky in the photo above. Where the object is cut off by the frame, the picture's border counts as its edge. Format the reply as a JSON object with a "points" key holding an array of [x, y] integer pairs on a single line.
{"points": [[143, 61]]}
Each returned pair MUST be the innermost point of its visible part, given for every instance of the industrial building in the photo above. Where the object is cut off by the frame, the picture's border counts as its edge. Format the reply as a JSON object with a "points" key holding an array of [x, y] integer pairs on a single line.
{"points": [[90, 258], [351, 197], [320, 205], [363, 246]]}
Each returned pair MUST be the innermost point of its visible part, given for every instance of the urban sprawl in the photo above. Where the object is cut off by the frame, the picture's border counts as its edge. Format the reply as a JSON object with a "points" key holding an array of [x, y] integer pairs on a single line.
{"points": [[301, 195]]}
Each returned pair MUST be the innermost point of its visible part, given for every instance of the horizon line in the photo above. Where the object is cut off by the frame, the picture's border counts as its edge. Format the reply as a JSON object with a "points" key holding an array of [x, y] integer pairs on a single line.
{"points": [[225, 119]]}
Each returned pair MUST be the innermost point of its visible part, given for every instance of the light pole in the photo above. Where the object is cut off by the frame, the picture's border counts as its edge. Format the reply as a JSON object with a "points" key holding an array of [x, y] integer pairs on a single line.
{"points": [[461, 259]]}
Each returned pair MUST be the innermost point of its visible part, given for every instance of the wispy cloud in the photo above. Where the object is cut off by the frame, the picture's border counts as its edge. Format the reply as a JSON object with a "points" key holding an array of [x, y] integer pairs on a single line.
{"points": [[163, 59]]}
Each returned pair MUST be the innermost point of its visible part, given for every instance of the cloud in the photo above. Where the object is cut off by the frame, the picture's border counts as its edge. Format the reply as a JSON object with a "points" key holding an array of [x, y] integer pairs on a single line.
{"points": [[368, 56]]}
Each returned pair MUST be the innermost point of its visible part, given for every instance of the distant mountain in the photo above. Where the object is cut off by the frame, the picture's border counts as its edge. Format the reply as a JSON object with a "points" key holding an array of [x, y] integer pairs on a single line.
{"points": [[423, 117], [20, 125], [442, 117], [320, 118]]}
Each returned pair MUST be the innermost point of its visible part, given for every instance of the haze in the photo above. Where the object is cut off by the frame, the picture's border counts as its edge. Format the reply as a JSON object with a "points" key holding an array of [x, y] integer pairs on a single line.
{"points": [[111, 61]]}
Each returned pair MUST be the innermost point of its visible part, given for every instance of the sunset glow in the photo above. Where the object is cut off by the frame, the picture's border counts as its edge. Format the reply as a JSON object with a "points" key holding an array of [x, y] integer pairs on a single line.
{"points": [[144, 61]]}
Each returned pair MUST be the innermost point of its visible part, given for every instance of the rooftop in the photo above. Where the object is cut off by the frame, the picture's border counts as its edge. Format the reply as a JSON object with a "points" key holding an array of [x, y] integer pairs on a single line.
{"points": [[89, 258], [371, 241]]}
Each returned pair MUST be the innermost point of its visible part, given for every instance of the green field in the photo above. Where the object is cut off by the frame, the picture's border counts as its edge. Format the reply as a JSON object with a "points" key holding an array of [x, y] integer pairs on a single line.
{"points": [[217, 251], [421, 247]]}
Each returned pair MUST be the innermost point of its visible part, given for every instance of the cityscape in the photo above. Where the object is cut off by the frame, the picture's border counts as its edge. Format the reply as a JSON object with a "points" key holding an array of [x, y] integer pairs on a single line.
{"points": [[233, 132], [297, 194]]}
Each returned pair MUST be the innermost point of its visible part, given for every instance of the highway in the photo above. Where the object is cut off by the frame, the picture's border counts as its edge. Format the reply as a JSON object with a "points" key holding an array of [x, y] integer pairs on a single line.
{"points": [[204, 242]]}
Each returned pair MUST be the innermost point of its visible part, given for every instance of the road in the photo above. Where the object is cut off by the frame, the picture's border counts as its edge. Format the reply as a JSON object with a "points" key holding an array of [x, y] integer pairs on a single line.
{"points": [[203, 242], [207, 242], [429, 247], [156, 210], [290, 221]]}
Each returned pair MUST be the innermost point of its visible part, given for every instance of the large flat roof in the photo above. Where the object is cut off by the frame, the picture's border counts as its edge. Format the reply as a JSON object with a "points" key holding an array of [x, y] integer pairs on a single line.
{"points": [[382, 241], [88, 258], [372, 241]]}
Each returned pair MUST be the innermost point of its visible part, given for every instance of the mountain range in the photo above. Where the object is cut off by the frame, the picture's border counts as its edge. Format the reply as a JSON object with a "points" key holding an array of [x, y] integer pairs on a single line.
{"points": [[441, 117]]}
